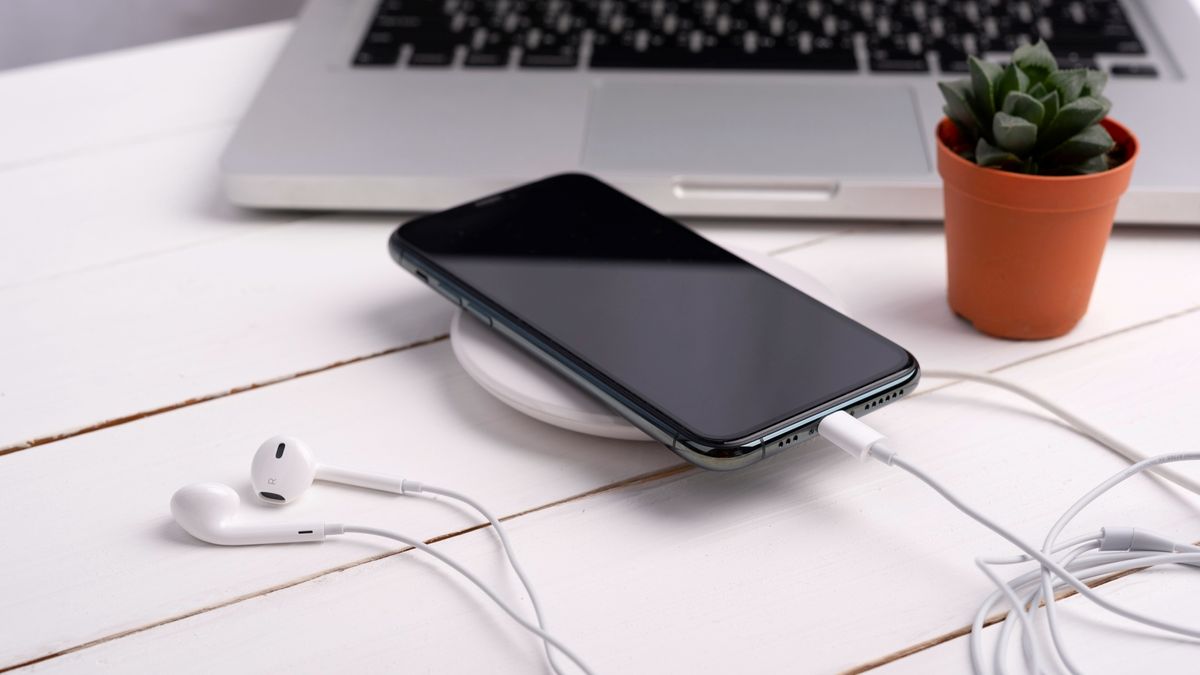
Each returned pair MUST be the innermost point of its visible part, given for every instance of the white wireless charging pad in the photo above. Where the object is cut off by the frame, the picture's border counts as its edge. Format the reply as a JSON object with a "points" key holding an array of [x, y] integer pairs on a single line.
{"points": [[518, 379]]}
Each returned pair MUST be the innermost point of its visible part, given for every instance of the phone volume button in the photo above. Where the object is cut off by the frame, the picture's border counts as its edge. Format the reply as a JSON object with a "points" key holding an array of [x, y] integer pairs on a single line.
{"points": [[445, 293]]}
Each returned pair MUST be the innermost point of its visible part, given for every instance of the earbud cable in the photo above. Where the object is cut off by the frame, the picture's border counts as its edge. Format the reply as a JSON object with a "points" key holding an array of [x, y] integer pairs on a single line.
{"points": [[1081, 425], [508, 552], [1082, 560], [1051, 568], [1086, 557], [469, 576]]}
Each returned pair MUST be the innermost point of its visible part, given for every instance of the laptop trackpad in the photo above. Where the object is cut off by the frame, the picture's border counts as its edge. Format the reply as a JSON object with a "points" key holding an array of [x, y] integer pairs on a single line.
{"points": [[755, 128]]}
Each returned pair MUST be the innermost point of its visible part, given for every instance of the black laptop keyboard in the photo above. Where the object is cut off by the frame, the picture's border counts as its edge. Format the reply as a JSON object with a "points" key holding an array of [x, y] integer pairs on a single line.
{"points": [[803, 35]]}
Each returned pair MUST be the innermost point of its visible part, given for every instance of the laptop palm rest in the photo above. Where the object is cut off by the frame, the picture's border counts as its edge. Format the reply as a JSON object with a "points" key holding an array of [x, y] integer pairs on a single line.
{"points": [[735, 140]]}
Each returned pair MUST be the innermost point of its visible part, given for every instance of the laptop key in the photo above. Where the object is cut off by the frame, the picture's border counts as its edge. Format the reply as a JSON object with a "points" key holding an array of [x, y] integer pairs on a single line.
{"points": [[548, 49], [1134, 70], [430, 57], [952, 60], [1074, 60], [1089, 44], [433, 50], [377, 54], [562, 57], [487, 49], [820, 51], [885, 62], [407, 22], [900, 53], [488, 58]]}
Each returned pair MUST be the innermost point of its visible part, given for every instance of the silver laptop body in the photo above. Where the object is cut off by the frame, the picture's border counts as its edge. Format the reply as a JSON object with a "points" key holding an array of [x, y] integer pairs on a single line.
{"points": [[750, 108]]}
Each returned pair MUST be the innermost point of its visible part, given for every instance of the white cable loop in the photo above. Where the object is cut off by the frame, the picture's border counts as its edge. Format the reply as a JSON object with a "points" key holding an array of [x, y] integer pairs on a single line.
{"points": [[1087, 557], [1049, 565], [469, 576]]}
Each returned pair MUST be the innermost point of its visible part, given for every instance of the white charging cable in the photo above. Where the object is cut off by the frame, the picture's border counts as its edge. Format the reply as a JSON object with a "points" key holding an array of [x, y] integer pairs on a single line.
{"points": [[1063, 565]]}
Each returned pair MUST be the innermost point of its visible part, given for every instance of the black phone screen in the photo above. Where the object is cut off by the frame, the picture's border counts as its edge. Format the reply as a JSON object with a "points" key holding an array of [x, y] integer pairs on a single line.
{"points": [[708, 340]]}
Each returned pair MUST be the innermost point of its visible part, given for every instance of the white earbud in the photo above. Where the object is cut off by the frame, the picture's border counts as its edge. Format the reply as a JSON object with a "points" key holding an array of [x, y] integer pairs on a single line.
{"points": [[209, 512], [284, 467], [282, 470]]}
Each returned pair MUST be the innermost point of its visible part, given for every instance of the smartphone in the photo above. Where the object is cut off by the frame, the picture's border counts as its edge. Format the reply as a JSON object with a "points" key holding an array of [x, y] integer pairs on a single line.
{"points": [[714, 358]]}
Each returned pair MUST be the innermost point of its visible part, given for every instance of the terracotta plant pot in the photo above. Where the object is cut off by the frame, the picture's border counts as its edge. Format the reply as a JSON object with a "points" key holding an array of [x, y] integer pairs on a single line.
{"points": [[1023, 250]]}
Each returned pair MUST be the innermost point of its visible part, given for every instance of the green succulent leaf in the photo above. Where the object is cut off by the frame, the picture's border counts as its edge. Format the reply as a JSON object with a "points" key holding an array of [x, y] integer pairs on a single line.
{"points": [[1094, 82], [1050, 103], [1029, 115], [987, 154], [958, 108], [1068, 83], [1071, 119], [1096, 164], [1092, 142], [1012, 79], [983, 83], [1024, 106], [1014, 134], [1036, 60]]}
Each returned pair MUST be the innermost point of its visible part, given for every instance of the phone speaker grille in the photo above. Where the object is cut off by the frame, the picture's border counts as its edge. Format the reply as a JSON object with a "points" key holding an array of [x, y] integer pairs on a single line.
{"points": [[871, 405], [796, 437]]}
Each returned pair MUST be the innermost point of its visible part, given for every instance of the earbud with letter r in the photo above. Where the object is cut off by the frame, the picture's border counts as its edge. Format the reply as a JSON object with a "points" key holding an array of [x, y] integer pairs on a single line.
{"points": [[284, 467], [209, 512]]}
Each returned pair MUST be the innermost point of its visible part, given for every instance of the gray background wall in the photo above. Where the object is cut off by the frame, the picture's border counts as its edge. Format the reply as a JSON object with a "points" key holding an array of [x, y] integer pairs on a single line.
{"points": [[35, 31]]}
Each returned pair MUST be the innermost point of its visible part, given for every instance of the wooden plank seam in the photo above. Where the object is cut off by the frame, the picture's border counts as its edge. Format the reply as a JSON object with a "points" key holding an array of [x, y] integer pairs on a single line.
{"points": [[638, 480], [642, 479], [125, 419]]}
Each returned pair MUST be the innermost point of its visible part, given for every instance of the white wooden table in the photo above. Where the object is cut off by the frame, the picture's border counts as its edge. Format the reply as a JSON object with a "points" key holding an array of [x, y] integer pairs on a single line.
{"points": [[153, 335]]}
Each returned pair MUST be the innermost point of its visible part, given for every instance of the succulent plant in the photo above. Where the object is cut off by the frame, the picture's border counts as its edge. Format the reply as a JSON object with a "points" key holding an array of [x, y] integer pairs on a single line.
{"points": [[1030, 116]]}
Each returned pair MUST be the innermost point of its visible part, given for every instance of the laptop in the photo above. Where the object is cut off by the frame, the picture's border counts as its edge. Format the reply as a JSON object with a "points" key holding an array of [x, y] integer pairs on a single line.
{"points": [[748, 108]]}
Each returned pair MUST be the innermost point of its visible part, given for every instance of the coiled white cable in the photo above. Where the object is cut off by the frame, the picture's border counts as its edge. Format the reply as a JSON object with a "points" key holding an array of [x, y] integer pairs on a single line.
{"points": [[1112, 551], [1051, 568]]}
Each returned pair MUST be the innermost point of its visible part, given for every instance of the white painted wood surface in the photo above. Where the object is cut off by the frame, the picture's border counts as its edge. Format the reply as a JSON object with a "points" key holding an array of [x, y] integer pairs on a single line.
{"points": [[809, 562], [127, 287], [91, 508]]}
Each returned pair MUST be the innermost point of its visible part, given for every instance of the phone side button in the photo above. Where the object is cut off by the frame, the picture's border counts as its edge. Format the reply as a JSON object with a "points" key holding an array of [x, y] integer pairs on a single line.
{"points": [[478, 313], [445, 293]]}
